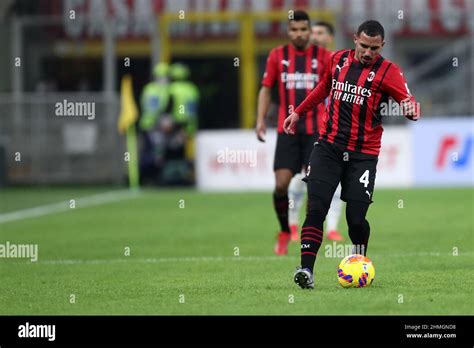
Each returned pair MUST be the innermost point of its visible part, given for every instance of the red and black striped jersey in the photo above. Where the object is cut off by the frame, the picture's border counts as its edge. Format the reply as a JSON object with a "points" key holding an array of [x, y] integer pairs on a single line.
{"points": [[297, 73], [357, 94]]}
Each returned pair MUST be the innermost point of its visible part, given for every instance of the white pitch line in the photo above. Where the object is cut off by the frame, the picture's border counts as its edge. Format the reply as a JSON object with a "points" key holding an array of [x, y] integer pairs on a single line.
{"points": [[165, 259], [88, 201], [227, 258]]}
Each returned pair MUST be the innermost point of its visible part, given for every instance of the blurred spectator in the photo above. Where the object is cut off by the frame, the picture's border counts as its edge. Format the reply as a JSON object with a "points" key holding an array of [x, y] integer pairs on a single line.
{"points": [[169, 121], [154, 101], [185, 101], [155, 97]]}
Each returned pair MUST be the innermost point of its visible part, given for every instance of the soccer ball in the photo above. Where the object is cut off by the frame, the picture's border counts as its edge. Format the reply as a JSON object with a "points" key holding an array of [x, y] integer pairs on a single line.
{"points": [[355, 271]]}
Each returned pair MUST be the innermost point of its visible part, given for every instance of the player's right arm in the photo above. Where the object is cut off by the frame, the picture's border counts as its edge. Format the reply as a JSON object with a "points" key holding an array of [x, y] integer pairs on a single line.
{"points": [[396, 86], [264, 95], [317, 95], [264, 98]]}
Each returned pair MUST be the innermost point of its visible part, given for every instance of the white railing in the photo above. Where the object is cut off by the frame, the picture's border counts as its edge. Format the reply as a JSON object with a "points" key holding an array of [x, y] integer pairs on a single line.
{"points": [[53, 138]]}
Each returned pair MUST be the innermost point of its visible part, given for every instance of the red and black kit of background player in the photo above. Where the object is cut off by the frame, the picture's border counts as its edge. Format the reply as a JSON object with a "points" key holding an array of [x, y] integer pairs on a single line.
{"points": [[297, 72], [359, 84], [296, 69]]}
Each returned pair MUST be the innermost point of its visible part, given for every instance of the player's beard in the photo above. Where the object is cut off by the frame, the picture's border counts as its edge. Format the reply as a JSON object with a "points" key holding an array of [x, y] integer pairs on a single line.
{"points": [[300, 44]]}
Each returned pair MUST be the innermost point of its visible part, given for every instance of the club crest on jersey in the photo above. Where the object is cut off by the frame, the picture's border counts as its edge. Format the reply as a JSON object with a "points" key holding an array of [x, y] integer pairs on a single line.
{"points": [[371, 76]]}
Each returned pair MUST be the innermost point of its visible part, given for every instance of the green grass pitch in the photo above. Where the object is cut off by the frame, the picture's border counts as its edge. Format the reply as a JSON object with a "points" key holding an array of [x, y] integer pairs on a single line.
{"points": [[182, 256]]}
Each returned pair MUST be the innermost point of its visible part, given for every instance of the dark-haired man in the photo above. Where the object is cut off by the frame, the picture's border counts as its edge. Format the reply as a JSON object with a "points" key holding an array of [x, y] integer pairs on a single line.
{"points": [[359, 82], [323, 36], [297, 68]]}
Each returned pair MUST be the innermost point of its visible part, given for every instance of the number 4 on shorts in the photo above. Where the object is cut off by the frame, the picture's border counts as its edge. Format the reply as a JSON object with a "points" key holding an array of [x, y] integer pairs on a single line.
{"points": [[364, 179]]}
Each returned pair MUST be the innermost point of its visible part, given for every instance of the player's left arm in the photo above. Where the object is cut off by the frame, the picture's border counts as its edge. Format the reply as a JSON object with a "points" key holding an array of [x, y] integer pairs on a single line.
{"points": [[396, 86]]}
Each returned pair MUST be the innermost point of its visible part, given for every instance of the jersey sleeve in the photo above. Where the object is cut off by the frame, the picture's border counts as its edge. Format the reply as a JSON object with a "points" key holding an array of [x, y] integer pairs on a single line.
{"points": [[271, 70], [395, 85], [320, 93]]}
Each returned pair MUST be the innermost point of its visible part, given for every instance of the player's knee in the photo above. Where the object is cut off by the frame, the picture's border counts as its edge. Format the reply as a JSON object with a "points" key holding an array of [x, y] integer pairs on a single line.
{"points": [[317, 207], [281, 190], [281, 187], [355, 215]]}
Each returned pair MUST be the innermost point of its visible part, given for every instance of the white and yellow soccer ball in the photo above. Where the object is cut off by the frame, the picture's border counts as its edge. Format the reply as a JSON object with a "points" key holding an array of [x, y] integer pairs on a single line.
{"points": [[355, 271]]}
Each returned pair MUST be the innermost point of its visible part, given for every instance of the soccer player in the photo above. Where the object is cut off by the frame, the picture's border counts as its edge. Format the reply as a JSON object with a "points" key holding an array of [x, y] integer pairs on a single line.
{"points": [[296, 68], [358, 84], [322, 35]]}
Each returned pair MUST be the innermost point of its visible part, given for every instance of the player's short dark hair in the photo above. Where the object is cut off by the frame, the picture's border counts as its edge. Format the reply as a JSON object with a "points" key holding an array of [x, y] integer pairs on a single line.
{"points": [[371, 28], [299, 15], [327, 25]]}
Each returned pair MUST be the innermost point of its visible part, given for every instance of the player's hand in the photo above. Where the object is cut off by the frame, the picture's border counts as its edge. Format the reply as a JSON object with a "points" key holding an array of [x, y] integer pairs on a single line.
{"points": [[261, 130], [410, 109], [290, 123]]}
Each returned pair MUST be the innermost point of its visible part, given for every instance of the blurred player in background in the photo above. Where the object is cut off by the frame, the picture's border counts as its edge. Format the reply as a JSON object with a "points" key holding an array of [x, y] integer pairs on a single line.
{"points": [[358, 84], [323, 36], [296, 68]]}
